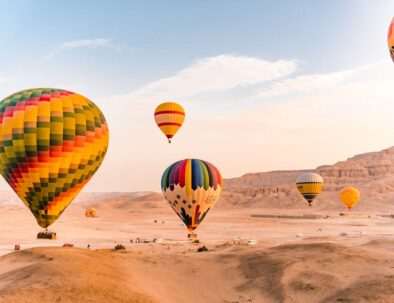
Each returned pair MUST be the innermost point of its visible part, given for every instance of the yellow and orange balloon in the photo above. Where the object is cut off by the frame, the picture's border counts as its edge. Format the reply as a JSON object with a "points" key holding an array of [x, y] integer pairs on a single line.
{"points": [[349, 196], [91, 213], [390, 39], [52, 141], [169, 117]]}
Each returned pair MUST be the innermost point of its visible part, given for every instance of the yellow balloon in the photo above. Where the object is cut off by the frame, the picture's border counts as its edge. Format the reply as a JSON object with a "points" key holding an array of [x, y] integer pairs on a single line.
{"points": [[169, 117], [349, 196], [90, 213]]}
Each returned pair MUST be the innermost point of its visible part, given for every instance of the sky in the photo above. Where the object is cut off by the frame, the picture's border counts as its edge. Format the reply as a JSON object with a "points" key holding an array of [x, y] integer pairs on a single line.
{"points": [[266, 85]]}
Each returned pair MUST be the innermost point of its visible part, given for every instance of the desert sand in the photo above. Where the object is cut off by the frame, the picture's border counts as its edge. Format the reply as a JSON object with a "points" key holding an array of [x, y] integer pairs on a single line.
{"points": [[300, 256], [323, 253]]}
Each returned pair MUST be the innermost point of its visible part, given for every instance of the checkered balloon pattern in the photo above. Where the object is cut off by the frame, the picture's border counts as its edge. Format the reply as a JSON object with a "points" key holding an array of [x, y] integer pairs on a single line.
{"points": [[52, 141]]}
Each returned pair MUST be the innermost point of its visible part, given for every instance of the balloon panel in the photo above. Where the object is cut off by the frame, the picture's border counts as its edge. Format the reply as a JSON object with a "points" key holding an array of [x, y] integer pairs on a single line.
{"points": [[52, 141], [169, 117], [309, 177], [191, 187]]}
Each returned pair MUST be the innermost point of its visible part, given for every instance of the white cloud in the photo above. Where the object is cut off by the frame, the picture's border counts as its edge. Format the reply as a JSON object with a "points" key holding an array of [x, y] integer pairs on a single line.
{"points": [[84, 43], [313, 82], [214, 74], [303, 131], [306, 83], [99, 42]]}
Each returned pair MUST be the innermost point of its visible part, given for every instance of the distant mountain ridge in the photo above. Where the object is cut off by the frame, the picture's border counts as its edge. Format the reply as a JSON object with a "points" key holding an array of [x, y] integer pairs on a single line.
{"points": [[372, 173]]}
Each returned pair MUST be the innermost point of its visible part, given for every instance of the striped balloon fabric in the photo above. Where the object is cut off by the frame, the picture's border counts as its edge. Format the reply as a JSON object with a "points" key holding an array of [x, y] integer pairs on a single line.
{"points": [[52, 141], [309, 185], [390, 39], [191, 187], [169, 117]]}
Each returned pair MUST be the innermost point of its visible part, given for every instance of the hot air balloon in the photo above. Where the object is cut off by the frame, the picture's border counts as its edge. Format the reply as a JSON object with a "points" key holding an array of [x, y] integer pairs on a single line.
{"points": [[52, 141], [191, 187], [90, 213], [390, 39], [309, 185], [349, 196], [169, 117]]}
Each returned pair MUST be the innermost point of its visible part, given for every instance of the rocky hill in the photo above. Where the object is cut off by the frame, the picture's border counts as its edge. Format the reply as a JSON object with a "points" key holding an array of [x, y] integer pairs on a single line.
{"points": [[372, 173]]}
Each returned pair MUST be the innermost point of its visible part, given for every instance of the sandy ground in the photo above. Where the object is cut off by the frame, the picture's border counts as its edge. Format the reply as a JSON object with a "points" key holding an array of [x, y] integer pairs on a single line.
{"points": [[323, 257]]}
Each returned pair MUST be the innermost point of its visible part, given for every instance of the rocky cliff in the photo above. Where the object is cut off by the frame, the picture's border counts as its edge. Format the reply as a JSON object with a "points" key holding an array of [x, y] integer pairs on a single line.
{"points": [[371, 173]]}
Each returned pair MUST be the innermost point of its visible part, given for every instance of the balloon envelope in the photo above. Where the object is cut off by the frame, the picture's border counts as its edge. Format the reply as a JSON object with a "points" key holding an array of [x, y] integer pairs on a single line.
{"points": [[390, 39], [191, 187], [90, 213], [349, 196], [169, 117], [52, 141], [309, 185]]}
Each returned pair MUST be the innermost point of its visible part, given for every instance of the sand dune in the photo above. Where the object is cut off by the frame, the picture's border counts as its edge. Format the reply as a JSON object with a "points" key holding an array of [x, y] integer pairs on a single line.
{"points": [[320, 272], [306, 272], [66, 275], [336, 259]]}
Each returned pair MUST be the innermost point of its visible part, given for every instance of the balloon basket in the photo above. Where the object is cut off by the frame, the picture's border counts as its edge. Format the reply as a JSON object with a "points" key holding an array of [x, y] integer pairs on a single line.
{"points": [[48, 235], [192, 236]]}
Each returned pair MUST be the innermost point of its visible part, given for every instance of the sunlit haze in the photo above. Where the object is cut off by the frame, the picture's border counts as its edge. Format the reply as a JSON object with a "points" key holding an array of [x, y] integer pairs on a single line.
{"points": [[265, 86]]}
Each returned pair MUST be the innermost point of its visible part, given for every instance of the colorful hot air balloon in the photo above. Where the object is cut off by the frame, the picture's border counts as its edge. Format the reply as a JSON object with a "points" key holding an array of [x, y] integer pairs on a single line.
{"points": [[390, 39], [349, 196], [90, 213], [309, 185], [169, 117], [52, 141], [191, 187]]}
